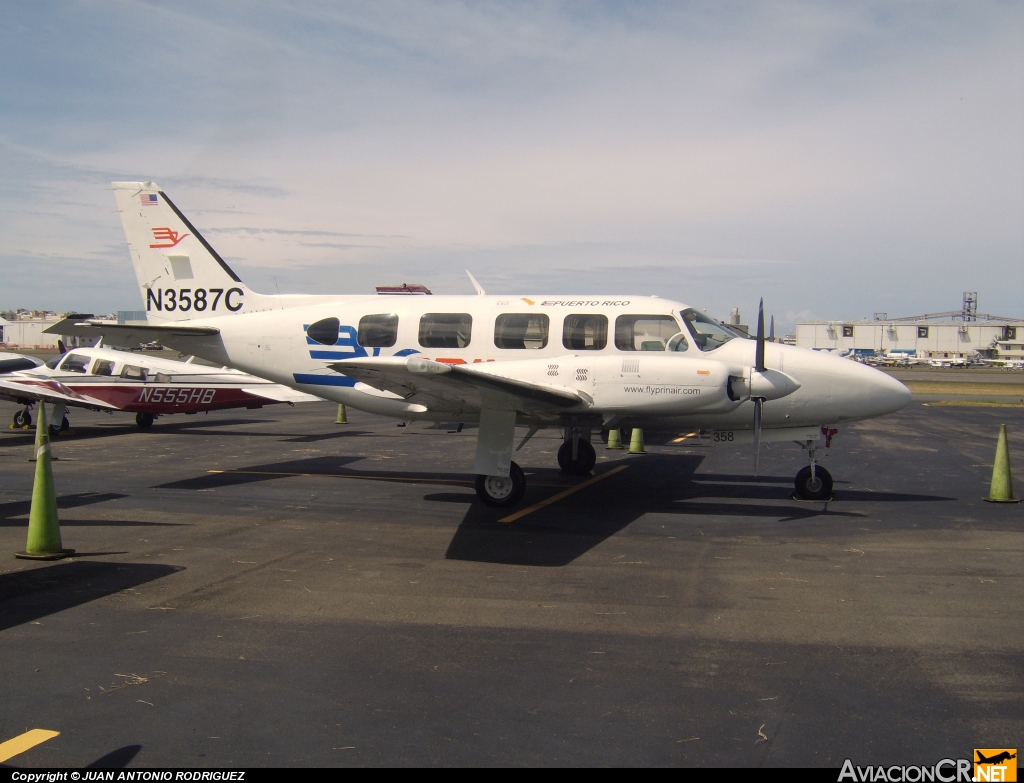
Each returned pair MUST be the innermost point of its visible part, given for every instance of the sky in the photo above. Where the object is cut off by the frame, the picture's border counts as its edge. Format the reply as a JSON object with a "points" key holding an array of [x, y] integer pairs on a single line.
{"points": [[836, 159]]}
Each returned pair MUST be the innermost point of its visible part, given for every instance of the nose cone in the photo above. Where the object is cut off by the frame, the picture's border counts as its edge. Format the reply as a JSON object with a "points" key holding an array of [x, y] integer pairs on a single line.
{"points": [[887, 393], [866, 392]]}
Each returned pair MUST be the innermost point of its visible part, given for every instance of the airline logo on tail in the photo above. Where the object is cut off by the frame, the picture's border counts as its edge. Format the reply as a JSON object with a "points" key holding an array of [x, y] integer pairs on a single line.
{"points": [[166, 235]]}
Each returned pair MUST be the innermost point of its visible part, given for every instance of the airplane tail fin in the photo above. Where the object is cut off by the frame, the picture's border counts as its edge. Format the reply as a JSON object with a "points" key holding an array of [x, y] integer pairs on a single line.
{"points": [[181, 277]]}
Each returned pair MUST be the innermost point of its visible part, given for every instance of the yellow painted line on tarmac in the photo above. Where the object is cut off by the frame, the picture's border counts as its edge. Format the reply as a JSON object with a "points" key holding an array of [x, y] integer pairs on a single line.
{"points": [[560, 495], [26, 741], [687, 435]]}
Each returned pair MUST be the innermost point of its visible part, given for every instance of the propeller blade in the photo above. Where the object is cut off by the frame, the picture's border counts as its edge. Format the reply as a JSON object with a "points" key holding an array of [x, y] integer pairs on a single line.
{"points": [[771, 330], [758, 402], [759, 354]]}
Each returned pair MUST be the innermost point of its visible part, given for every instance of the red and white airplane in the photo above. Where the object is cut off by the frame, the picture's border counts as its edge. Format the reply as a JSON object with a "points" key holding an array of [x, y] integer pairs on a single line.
{"points": [[107, 379]]}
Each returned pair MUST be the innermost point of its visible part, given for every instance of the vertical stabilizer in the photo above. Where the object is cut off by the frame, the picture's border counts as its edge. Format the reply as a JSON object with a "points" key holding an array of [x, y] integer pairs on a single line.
{"points": [[181, 277]]}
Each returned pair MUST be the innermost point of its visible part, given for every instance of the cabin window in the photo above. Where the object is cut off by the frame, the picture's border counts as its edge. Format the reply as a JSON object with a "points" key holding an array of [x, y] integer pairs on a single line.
{"points": [[378, 331], [75, 363], [706, 332], [446, 330], [103, 367], [922, 331], [644, 332], [521, 330], [585, 332], [324, 331], [134, 373]]}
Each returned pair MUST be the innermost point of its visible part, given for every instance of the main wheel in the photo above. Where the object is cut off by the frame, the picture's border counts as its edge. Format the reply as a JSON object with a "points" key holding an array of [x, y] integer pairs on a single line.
{"points": [[499, 491], [144, 420], [584, 462], [818, 488], [62, 427], [22, 418]]}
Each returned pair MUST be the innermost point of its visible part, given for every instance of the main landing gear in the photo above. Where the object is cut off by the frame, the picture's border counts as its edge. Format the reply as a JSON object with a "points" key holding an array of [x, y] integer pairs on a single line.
{"points": [[813, 482], [499, 491], [144, 420], [22, 418], [576, 457]]}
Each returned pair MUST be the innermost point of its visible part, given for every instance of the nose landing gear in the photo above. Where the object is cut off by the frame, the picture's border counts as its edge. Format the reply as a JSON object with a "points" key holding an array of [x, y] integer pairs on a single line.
{"points": [[22, 418], [813, 482]]}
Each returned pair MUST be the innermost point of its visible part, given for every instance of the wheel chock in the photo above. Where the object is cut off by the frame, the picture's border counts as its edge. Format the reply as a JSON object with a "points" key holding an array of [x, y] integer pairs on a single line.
{"points": [[636, 442], [614, 439], [342, 418], [1001, 489], [43, 526]]}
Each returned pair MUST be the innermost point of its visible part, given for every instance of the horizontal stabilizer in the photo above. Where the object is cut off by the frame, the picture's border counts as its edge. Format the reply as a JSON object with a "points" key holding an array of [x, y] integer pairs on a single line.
{"points": [[278, 393]]}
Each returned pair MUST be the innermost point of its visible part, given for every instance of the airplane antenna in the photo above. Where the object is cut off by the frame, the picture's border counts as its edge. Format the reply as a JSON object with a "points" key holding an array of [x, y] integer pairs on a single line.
{"points": [[479, 288]]}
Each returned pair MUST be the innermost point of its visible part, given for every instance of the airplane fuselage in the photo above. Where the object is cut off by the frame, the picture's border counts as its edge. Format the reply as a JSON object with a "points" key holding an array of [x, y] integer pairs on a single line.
{"points": [[611, 349]]}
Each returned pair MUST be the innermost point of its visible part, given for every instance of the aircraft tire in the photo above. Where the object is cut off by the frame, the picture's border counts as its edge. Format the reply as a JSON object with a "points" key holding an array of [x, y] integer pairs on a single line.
{"points": [[144, 420], [586, 457], [501, 492], [819, 489], [22, 418]]}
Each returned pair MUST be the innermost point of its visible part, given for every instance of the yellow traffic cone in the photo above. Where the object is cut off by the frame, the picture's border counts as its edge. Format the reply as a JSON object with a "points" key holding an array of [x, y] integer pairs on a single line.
{"points": [[43, 526], [1001, 490], [636, 442], [342, 419], [614, 439]]}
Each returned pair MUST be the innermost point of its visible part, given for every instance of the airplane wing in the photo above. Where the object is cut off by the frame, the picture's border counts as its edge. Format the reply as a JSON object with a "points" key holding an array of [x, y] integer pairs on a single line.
{"points": [[278, 393], [45, 390], [458, 387]]}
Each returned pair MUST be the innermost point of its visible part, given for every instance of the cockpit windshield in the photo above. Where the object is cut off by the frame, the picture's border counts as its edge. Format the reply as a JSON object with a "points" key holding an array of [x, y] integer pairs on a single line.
{"points": [[707, 333]]}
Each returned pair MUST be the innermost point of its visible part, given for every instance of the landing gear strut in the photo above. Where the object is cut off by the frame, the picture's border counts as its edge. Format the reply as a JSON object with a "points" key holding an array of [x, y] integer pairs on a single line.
{"points": [[576, 457], [499, 491], [813, 482], [22, 418]]}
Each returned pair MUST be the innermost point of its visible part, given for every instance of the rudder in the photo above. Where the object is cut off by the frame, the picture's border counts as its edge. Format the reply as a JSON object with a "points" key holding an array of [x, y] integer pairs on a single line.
{"points": [[181, 277]]}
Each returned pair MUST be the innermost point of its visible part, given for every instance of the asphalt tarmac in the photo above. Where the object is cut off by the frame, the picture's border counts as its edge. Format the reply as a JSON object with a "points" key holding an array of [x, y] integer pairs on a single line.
{"points": [[269, 588]]}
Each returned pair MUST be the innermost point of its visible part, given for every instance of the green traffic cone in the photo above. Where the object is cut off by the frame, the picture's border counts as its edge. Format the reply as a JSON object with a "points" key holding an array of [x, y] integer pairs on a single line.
{"points": [[342, 419], [1001, 490], [614, 439], [43, 526], [636, 442]]}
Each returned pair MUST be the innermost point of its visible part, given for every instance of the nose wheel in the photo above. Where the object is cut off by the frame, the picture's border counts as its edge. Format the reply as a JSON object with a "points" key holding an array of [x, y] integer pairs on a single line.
{"points": [[813, 483]]}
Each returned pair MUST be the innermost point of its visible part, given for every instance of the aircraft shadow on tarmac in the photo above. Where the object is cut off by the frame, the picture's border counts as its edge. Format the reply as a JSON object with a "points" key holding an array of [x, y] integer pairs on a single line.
{"points": [[9, 512], [662, 484], [558, 534], [38, 592], [326, 466]]}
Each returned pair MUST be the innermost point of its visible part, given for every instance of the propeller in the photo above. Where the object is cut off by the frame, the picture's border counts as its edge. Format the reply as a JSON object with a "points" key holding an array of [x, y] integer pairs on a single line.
{"points": [[758, 401]]}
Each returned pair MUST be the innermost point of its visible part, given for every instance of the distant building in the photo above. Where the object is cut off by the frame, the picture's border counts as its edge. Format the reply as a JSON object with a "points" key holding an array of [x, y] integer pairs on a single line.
{"points": [[959, 334], [24, 329]]}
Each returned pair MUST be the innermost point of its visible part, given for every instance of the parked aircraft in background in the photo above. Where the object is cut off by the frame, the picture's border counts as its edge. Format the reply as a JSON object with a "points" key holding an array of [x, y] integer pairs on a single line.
{"points": [[580, 363], [106, 379], [12, 362]]}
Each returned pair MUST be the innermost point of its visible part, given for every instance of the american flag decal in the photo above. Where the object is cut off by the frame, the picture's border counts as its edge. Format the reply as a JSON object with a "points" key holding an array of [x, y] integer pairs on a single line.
{"points": [[149, 199]]}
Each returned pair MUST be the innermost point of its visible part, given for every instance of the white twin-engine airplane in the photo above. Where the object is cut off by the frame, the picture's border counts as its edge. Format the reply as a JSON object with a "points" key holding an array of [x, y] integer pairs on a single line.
{"points": [[580, 363]]}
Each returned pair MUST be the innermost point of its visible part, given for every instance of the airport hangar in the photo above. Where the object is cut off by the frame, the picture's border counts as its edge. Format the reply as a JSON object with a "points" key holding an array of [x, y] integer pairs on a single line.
{"points": [[955, 334]]}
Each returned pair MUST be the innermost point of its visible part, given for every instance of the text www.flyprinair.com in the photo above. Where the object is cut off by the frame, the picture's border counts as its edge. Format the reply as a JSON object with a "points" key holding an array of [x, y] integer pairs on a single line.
{"points": [[656, 390]]}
